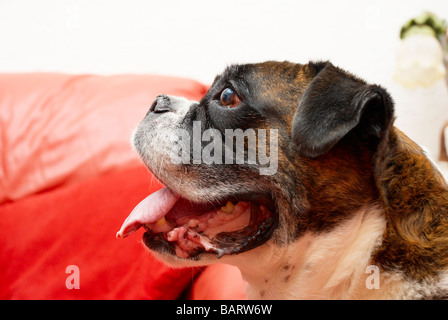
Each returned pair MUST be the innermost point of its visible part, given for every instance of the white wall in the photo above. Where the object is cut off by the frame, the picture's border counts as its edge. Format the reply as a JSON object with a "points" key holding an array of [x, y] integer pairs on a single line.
{"points": [[198, 38]]}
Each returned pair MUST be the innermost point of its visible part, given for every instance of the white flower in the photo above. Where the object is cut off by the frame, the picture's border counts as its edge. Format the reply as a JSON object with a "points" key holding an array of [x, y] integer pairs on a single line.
{"points": [[419, 61]]}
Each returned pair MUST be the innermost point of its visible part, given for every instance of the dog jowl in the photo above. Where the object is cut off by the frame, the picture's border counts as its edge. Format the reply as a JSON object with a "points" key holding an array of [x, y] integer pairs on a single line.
{"points": [[295, 174]]}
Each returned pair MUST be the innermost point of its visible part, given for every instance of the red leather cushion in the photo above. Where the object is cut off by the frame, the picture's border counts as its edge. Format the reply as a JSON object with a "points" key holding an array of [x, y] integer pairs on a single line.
{"points": [[76, 225], [57, 129], [219, 282]]}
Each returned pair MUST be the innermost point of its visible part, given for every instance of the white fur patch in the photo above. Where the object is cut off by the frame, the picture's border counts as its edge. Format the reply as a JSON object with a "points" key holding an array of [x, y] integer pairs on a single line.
{"points": [[318, 266]]}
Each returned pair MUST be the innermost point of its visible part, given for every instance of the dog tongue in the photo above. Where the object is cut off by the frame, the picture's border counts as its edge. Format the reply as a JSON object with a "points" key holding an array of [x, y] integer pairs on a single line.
{"points": [[151, 209]]}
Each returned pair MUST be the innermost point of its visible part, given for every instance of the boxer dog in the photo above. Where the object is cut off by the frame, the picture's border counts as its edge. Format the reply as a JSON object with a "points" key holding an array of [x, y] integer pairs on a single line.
{"points": [[351, 208]]}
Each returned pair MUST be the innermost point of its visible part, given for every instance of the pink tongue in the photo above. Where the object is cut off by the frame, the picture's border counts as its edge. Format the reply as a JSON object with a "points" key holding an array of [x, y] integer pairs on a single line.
{"points": [[151, 209]]}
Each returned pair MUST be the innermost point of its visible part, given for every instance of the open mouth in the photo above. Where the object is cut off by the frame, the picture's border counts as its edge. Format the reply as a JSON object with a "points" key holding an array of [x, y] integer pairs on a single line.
{"points": [[187, 229]]}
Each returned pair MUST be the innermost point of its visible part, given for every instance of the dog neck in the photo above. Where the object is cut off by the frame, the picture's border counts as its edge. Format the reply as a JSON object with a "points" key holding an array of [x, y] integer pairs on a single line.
{"points": [[317, 266], [333, 264], [417, 226]]}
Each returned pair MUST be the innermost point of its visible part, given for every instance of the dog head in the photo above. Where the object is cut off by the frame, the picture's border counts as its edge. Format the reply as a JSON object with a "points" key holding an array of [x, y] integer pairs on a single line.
{"points": [[272, 150]]}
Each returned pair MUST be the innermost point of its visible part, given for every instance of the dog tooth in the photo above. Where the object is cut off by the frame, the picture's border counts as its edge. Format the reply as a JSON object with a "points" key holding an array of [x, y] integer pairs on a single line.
{"points": [[228, 208], [161, 222], [193, 223]]}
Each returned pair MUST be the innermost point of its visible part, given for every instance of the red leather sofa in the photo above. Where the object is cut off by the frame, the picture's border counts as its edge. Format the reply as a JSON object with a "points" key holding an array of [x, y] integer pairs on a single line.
{"points": [[69, 178]]}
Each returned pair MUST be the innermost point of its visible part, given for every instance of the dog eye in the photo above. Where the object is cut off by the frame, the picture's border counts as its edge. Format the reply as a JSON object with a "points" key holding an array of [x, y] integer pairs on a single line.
{"points": [[229, 98]]}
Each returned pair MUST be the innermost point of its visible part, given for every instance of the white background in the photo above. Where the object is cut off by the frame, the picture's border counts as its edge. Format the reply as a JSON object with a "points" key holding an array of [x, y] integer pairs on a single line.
{"points": [[199, 38]]}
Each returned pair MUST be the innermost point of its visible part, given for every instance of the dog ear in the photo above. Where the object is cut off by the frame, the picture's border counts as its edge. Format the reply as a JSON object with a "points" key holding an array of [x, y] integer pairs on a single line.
{"points": [[334, 103]]}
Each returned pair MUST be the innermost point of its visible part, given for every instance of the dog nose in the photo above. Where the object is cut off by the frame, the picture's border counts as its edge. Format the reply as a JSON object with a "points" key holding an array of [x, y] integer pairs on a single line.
{"points": [[161, 104]]}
